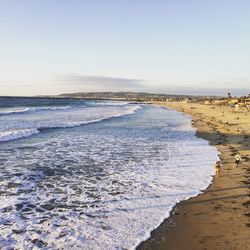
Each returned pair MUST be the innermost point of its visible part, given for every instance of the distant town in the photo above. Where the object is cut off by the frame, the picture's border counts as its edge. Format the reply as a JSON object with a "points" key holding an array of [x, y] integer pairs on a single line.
{"points": [[142, 97]]}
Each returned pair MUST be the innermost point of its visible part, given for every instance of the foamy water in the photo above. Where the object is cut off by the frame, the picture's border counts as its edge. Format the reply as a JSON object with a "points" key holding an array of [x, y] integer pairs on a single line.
{"points": [[102, 185]]}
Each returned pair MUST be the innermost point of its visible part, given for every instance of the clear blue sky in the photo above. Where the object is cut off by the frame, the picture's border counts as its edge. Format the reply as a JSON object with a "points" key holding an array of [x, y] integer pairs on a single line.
{"points": [[170, 46]]}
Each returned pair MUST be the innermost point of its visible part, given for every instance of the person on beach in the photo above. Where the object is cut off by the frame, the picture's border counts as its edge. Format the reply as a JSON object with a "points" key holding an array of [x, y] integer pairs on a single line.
{"points": [[218, 166], [237, 159], [236, 107]]}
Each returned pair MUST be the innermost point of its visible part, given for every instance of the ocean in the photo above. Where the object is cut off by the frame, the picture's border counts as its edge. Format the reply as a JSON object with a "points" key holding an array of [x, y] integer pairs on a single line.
{"points": [[79, 174]]}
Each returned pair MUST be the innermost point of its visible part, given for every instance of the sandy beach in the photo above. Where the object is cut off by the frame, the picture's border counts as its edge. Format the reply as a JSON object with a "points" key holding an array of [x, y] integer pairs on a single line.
{"points": [[219, 218]]}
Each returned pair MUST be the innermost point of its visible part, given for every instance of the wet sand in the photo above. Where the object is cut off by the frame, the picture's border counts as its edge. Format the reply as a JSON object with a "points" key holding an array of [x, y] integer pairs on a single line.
{"points": [[219, 218]]}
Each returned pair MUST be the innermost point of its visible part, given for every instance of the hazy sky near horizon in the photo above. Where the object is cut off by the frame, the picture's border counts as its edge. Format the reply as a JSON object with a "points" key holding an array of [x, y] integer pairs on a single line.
{"points": [[170, 46]]}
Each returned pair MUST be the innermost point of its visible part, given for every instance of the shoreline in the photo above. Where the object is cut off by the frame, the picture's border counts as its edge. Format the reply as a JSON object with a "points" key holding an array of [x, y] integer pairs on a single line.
{"points": [[214, 218]]}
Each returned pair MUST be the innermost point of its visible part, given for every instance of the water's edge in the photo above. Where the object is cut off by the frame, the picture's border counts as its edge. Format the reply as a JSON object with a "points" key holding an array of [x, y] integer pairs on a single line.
{"points": [[167, 222]]}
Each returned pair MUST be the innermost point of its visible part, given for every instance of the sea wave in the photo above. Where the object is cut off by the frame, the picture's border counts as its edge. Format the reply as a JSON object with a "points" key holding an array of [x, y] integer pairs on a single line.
{"points": [[13, 111], [110, 103], [131, 111], [13, 134], [9, 111], [16, 134]]}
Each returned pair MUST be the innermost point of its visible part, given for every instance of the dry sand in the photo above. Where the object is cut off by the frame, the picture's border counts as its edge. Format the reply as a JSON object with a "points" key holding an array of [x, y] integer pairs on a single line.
{"points": [[220, 217]]}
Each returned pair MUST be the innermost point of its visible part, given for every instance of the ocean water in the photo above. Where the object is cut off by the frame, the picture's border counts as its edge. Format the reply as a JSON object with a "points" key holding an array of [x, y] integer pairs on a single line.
{"points": [[80, 174]]}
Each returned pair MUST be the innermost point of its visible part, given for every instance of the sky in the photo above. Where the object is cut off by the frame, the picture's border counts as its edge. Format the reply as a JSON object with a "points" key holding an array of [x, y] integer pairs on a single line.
{"points": [[160, 46]]}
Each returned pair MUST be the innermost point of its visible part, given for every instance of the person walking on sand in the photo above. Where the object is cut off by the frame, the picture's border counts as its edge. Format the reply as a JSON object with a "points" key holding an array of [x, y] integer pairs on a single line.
{"points": [[236, 107], [237, 159], [218, 166]]}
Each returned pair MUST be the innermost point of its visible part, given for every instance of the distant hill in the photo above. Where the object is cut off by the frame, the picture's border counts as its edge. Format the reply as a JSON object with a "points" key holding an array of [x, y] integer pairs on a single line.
{"points": [[121, 95]]}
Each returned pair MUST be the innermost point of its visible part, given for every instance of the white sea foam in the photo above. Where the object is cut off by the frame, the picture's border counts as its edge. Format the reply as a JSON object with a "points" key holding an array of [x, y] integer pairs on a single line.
{"points": [[111, 103], [49, 108], [183, 128], [8, 111], [16, 134]]}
